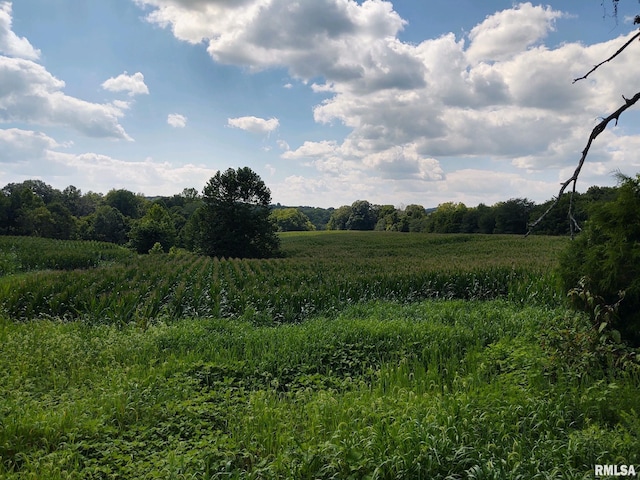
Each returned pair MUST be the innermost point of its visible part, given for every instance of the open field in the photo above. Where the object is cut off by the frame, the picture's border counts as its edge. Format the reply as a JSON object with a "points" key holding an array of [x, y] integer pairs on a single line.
{"points": [[321, 272], [452, 357]]}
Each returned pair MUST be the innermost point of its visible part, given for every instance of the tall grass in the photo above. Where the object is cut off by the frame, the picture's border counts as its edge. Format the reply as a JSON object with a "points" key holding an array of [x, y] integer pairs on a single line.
{"points": [[438, 389]]}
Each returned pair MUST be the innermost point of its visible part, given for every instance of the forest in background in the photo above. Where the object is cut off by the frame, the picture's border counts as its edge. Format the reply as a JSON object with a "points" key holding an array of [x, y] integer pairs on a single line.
{"points": [[34, 208]]}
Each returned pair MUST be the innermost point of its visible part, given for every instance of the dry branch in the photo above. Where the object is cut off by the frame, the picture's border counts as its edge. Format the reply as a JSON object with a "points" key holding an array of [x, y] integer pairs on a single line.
{"points": [[608, 59], [628, 102]]}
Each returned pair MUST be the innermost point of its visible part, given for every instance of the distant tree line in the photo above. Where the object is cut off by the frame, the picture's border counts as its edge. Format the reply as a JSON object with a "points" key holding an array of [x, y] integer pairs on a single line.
{"points": [[511, 216], [192, 220], [231, 218]]}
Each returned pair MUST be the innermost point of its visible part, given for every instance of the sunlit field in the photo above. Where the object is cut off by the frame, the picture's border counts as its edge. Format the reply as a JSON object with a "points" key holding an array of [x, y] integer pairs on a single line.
{"points": [[356, 355], [320, 272]]}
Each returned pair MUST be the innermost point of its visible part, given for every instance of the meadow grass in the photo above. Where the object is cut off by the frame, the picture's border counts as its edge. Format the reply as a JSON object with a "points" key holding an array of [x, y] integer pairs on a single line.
{"points": [[436, 389]]}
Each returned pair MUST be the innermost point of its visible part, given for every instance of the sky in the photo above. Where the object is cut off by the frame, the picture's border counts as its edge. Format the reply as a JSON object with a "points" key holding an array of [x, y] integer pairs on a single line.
{"points": [[329, 101]]}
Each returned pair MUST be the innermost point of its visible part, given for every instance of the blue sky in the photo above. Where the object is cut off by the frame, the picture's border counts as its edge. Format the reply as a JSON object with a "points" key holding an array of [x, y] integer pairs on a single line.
{"points": [[329, 101]]}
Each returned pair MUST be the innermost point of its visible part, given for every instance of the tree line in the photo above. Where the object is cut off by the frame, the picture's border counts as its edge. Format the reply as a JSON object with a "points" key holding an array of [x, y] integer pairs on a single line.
{"points": [[236, 204], [230, 218], [509, 217]]}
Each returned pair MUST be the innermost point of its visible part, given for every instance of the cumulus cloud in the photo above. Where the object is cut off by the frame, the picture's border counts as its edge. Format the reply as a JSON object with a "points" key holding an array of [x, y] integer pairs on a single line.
{"points": [[36, 154], [320, 38], [510, 32], [497, 93], [104, 173], [17, 145], [10, 43], [254, 124], [30, 94], [176, 120], [132, 84]]}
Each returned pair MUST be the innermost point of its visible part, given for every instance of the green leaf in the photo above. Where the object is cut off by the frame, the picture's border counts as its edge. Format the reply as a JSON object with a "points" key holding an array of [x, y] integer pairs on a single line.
{"points": [[615, 335]]}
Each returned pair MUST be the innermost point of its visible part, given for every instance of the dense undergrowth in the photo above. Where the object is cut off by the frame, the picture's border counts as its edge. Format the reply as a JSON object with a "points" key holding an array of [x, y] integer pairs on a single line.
{"points": [[439, 389], [396, 387]]}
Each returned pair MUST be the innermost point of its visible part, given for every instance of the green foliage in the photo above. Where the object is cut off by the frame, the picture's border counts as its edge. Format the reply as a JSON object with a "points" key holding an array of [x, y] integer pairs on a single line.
{"points": [[608, 253], [339, 218], [155, 227], [447, 218], [321, 272], [440, 389], [512, 216], [25, 254], [361, 215], [319, 217], [127, 203], [106, 224], [234, 221], [291, 220], [157, 249], [37, 209]]}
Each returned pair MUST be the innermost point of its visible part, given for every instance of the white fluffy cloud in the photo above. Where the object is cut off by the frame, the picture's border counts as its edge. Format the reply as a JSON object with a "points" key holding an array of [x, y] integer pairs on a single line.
{"points": [[510, 32], [34, 154], [30, 94], [10, 43], [496, 93], [18, 146], [254, 124], [132, 84], [176, 120]]}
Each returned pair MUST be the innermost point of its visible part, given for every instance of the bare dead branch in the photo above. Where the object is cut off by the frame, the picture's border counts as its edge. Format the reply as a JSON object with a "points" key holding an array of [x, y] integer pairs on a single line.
{"points": [[598, 129], [620, 50]]}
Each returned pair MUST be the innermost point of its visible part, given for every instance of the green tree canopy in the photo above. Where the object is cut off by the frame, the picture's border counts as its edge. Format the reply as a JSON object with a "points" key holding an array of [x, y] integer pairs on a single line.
{"points": [[447, 218], [291, 220], [512, 216], [234, 220], [106, 224], [339, 218], [155, 227], [127, 203]]}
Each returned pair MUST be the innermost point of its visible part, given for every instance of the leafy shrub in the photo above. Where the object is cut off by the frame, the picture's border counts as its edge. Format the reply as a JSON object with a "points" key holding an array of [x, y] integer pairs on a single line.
{"points": [[608, 253], [156, 249]]}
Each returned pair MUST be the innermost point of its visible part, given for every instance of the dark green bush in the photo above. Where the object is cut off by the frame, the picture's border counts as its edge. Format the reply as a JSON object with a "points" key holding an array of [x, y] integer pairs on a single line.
{"points": [[607, 253]]}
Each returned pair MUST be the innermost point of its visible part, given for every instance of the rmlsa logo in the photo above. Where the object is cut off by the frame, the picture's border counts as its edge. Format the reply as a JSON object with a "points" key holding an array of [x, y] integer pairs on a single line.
{"points": [[614, 471]]}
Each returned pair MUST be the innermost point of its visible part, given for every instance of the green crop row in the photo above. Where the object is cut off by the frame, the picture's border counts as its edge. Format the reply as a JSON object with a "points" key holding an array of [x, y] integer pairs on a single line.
{"points": [[23, 254], [320, 273]]}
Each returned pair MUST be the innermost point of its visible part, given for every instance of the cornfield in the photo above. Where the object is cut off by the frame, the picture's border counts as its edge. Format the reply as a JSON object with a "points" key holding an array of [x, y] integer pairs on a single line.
{"points": [[321, 272]]}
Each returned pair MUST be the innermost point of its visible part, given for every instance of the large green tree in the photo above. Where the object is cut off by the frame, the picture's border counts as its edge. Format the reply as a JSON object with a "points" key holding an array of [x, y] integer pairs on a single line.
{"points": [[127, 203], [234, 220], [106, 224]]}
